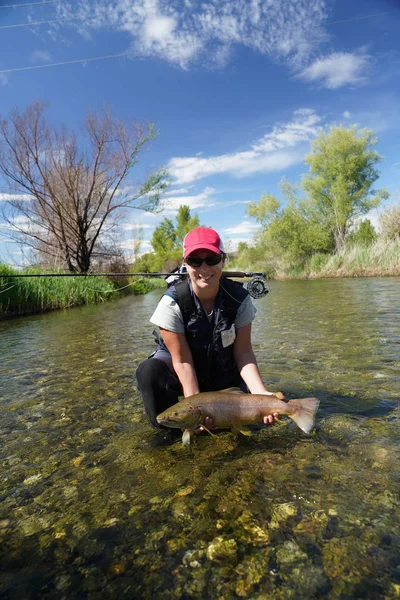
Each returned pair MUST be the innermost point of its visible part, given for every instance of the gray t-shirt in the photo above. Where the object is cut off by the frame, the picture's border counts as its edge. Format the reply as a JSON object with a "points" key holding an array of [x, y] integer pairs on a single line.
{"points": [[168, 315]]}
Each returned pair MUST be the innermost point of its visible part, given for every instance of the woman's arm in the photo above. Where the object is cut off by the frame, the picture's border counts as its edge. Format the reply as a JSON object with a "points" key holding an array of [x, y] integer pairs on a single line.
{"points": [[246, 360], [182, 361], [247, 364]]}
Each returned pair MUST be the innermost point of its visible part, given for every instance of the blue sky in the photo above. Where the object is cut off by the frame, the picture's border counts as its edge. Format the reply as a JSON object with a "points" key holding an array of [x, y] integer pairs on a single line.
{"points": [[238, 89]]}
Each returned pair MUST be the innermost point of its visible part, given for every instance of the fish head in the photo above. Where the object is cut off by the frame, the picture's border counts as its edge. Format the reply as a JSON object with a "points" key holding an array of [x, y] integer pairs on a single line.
{"points": [[184, 417]]}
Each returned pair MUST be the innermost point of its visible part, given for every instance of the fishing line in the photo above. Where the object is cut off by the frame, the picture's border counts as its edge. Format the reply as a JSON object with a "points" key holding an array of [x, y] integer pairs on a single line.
{"points": [[257, 286]]}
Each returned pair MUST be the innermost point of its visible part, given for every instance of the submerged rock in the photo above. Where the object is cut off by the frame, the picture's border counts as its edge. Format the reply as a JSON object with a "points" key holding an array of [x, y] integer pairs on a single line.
{"points": [[251, 532], [251, 571], [290, 554], [347, 562], [281, 513], [222, 549]]}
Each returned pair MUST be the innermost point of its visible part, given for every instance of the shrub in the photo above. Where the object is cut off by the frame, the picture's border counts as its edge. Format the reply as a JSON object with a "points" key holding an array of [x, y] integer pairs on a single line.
{"points": [[389, 222]]}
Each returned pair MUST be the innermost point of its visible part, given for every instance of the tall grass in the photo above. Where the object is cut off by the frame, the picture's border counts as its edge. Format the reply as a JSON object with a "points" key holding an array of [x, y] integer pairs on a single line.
{"points": [[30, 295], [381, 258]]}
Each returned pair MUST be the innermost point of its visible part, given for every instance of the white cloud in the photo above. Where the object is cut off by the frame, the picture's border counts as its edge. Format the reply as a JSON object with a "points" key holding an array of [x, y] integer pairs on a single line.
{"points": [[232, 244], [21, 222], [3, 79], [243, 228], [196, 201], [338, 69], [40, 57], [183, 33], [347, 114], [145, 245], [135, 226], [19, 197], [178, 191], [269, 153]]}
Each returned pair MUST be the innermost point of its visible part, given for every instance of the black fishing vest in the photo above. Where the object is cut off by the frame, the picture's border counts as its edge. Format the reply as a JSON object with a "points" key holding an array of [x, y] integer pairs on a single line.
{"points": [[213, 359]]}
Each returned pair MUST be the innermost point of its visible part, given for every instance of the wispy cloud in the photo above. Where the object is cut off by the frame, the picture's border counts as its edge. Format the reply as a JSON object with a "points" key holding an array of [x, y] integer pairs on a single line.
{"points": [[20, 222], [243, 228], [40, 57], [183, 33], [19, 197], [135, 226], [145, 245], [178, 191], [3, 79], [338, 69], [196, 201], [347, 114], [275, 151]]}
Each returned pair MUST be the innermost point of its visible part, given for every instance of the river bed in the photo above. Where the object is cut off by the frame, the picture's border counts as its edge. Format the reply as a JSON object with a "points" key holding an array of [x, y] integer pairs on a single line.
{"points": [[96, 504]]}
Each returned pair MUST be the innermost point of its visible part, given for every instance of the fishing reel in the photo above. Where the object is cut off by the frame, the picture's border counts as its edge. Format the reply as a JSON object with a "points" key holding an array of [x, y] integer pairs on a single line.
{"points": [[258, 286]]}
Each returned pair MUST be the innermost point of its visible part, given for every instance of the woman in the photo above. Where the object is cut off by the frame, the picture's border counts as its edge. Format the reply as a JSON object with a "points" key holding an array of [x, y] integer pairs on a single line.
{"points": [[205, 333]]}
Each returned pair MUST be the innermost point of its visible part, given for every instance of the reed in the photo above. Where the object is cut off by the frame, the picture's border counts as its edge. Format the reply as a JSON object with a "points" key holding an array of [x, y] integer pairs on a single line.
{"points": [[380, 259], [35, 295]]}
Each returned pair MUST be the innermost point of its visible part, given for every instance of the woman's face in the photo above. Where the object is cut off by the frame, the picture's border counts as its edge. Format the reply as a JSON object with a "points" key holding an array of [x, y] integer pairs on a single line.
{"points": [[204, 277]]}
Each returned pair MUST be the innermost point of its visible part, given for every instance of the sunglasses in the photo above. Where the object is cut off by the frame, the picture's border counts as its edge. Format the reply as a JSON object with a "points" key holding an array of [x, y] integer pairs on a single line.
{"points": [[195, 261]]}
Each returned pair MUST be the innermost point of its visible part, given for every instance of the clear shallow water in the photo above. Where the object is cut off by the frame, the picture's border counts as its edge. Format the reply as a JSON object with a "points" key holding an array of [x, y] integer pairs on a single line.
{"points": [[95, 504]]}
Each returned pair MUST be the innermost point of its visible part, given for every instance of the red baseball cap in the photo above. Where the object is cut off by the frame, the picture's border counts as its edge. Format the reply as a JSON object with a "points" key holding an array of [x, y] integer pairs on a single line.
{"points": [[202, 238]]}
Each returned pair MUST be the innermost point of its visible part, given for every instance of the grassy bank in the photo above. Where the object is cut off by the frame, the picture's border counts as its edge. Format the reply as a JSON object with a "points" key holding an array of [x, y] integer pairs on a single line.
{"points": [[380, 259], [21, 296]]}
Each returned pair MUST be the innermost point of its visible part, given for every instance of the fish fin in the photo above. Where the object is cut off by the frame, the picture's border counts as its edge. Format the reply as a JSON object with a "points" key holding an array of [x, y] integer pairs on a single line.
{"points": [[204, 427], [304, 413], [233, 390], [243, 430], [186, 437]]}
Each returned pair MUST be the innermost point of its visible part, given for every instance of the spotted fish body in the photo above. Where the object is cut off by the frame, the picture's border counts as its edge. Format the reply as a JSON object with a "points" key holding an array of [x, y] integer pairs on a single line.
{"points": [[232, 409]]}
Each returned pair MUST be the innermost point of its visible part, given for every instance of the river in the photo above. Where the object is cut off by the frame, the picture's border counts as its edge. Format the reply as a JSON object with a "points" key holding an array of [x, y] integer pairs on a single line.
{"points": [[96, 504]]}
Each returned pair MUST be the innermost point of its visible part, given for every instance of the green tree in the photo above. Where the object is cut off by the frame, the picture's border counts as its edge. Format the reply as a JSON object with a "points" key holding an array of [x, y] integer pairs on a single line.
{"points": [[341, 178], [297, 232], [167, 243], [293, 231], [164, 236], [265, 210], [184, 223], [363, 234]]}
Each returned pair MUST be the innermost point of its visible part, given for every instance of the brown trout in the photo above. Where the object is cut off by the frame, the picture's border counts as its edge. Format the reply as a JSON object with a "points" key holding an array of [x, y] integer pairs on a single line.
{"points": [[232, 409]]}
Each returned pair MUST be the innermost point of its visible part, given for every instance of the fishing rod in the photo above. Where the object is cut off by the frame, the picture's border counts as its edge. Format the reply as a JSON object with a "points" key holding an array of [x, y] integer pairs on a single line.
{"points": [[257, 286]]}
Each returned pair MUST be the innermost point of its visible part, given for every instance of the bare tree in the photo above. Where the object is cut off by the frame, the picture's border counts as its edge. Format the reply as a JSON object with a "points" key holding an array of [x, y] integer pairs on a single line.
{"points": [[76, 187]]}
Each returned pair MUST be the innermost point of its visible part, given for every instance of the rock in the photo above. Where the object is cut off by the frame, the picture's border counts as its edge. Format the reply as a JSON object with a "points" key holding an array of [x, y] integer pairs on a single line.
{"points": [[222, 549], [32, 479], [281, 513], [290, 554], [252, 533]]}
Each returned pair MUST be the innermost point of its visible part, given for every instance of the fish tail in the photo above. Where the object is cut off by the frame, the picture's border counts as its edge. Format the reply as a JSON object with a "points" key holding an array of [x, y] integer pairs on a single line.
{"points": [[304, 410]]}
